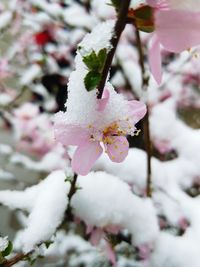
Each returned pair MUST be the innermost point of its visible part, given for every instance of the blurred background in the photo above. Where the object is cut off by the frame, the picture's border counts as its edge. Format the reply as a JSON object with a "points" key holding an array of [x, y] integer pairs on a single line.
{"points": [[38, 42]]}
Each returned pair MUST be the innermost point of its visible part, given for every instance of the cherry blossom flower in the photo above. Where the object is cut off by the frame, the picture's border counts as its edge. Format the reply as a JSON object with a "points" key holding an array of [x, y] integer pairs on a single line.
{"points": [[175, 29], [91, 139]]}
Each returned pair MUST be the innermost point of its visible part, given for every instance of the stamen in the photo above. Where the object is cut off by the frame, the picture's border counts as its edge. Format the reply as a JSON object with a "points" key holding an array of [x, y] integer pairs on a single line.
{"points": [[137, 132]]}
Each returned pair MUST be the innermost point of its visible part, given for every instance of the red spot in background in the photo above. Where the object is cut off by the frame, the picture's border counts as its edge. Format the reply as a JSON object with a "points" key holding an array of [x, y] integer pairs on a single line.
{"points": [[41, 38]]}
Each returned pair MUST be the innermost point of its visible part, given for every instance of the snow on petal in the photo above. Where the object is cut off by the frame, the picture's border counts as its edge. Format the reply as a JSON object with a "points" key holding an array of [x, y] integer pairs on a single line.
{"points": [[103, 101], [70, 134]]}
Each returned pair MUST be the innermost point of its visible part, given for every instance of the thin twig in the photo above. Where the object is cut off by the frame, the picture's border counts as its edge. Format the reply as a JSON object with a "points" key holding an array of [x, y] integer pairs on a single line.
{"points": [[145, 81], [73, 187], [12, 103], [17, 258], [149, 153], [72, 191], [119, 27]]}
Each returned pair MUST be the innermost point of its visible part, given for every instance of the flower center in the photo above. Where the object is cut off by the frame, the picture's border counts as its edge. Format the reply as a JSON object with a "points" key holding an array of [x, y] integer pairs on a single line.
{"points": [[120, 128]]}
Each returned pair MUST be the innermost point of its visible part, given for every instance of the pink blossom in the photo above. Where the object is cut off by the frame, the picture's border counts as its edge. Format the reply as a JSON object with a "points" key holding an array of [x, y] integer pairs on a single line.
{"points": [[163, 146], [93, 138], [144, 251], [34, 130], [26, 111], [183, 223], [176, 30], [100, 233], [4, 68]]}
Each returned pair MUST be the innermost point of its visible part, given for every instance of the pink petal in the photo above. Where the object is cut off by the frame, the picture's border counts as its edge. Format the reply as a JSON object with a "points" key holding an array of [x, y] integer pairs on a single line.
{"points": [[110, 254], [85, 157], [114, 229], [70, 134], [137, 110], [89, 229], [103, 101], [155, 59], [144, 251], [152, 3], [96, 236], [183, 223], [159, 4], [118, 150], [177, 30]]}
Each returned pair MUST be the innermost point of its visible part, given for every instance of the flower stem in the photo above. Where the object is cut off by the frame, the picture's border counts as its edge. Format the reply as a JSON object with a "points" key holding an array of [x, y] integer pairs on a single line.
{"points": [[147, 138], [119, 27]]}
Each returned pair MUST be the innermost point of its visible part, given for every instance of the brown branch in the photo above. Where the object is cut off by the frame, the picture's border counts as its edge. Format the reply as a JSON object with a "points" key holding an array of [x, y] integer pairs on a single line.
{"points": [[72, 191], [21, 256], [73, 187], [119, 27], [17, 258], [145, 82], [149, 153], [12, 103]]}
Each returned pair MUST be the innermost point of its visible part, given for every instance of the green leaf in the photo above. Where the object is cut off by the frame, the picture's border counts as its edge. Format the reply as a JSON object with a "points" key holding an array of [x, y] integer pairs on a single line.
{"points": [[69, 179], [8, 250], [91, 61], [102, 58], [2, 259], [144, 13], [91, 80], [116, 3], [95, 62], [48, 244], [144, 19]]}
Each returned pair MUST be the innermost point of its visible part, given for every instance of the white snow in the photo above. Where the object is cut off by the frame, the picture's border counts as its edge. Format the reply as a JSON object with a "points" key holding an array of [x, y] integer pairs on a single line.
{"points": [[100, 194], [5, 19], [46, 203], [3, 243], [30, 74], [5, 175]]}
